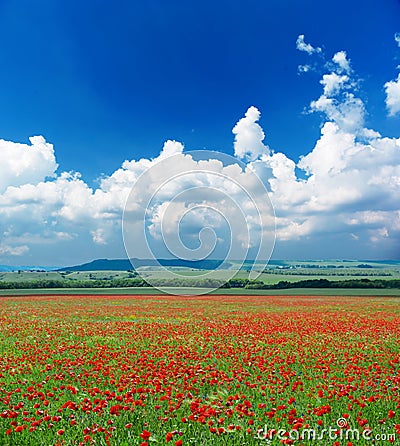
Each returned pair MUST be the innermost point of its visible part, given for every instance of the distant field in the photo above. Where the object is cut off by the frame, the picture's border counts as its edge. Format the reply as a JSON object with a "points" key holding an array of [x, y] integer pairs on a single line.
{"points": [[290, 271], [192, 290], [294, 272], [53, 275], [24, 276], [317, 268]]}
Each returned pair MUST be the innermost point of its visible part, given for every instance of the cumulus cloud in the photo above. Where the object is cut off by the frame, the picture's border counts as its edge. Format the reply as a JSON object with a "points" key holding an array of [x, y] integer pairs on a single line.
{"points": [[24, 163], [249, 136], [13, 250], [392, 89], [346, 198], [352, 173], [338, 101], [301, 45], [332, 83], [393, 96], [205, 202], [340, 58]]}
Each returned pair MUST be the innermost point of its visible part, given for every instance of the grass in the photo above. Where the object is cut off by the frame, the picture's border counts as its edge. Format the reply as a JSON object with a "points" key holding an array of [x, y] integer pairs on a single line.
{"points": [[275, 275], [26, 276], [287, 270]]}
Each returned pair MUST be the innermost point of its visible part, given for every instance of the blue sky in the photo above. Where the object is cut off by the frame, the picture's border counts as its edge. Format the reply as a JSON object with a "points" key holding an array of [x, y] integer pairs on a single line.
{"points": [[106, 82]]}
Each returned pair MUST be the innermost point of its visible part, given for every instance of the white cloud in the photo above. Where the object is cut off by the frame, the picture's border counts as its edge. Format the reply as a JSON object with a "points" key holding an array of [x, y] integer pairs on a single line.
{"points": [[303, 68], [249, 136], [99, 236], [348, 113], [351, 171], [171, 148], [351, 189], [392, 89], [333, 83], [397, 38], [338, 102], [340, 58], [13, 250], [393, 96], [26, 164], [180, 195], [301, 45]]}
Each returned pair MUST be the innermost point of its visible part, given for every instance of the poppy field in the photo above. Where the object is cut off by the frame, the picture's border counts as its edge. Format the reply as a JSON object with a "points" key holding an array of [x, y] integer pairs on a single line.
{"points": [[204, 370]]}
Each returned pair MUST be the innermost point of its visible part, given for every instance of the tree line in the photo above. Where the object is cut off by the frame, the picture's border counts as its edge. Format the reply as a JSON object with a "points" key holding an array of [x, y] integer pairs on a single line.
{"points": [[202, 283]]}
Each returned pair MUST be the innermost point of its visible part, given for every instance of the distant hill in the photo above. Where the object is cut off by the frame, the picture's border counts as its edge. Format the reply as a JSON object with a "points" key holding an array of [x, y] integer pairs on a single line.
{"points": [[207, 264], [126, 265], [101, 265], [7, 269], [10, 269]]}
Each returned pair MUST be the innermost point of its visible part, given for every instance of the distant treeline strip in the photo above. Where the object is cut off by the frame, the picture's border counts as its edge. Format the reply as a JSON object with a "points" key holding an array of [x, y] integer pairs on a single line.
{"points": [[325, 283], [203, 283], [49, 283]]}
